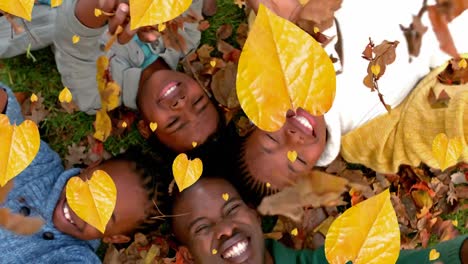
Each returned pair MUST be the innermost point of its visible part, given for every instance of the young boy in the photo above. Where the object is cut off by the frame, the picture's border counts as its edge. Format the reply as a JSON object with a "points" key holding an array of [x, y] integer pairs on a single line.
{"points": [[145, 71], [316, 139], [39, 191], [228, 231]]}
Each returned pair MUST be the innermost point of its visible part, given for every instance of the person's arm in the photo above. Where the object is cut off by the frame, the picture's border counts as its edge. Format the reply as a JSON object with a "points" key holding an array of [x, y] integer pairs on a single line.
{"points": [[9, 105], [454, 251], [3, 100]]}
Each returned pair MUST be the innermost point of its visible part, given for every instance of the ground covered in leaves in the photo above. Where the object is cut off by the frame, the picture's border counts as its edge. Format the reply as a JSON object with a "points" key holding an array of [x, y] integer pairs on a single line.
{"points": [[431, 205]]}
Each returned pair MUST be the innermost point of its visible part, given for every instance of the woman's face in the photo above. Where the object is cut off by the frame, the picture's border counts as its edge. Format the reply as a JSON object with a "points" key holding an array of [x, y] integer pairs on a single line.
{"points": [[266, 153], [181, 109]]}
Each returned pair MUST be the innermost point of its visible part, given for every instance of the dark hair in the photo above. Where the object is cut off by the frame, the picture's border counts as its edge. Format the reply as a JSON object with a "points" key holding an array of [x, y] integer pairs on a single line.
{"points": [[154, 176]]}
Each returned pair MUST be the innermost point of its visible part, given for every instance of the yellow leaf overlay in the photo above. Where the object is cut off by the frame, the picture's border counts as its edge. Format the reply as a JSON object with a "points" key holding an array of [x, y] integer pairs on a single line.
{"points": [[292, 155], [282, 67], [447, 151], [153, 12], [225, 196], [34, 98], [102, 125], [186, 172], [55, 3], [294, 232], [434, 254], [18, 147], [214, 251], [65, 95], [92, 200], [365, 233], [19, 8], [153, 126], [108, 91], [75, 39]]}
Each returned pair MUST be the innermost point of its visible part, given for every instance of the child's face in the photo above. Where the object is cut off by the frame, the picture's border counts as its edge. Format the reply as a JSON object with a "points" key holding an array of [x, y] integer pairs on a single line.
{"points": [[208, 222], [180, 107], [266, 153], [129, 209]]}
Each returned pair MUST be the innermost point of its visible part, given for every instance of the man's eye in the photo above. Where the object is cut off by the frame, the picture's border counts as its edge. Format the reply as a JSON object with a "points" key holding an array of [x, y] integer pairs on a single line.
{"points": [[272, 138], [301, 160], [199, 99], [233, 209], [173, 122], [201, 228]]}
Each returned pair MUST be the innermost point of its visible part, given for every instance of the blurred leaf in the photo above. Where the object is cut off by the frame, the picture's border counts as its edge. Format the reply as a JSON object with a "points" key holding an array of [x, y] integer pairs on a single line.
{"points": [[282, 68], [440, 26], [186, 172], [102, 125], [18, 147], [92, 200], [366, 233], [447, 151], [223, 86], [4, 190], [56, 3], [19, 224], [153, 12], [19, 8]]}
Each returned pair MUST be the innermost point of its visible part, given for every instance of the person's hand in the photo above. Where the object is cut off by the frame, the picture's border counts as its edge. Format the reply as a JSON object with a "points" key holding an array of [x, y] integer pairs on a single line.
{"points": [[3, 100], [288, 9]]}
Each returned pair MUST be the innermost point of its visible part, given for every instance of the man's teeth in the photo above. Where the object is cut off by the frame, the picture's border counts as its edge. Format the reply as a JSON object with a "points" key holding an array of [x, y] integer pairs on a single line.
{"points": [[66, 213], [236, 250], [170, 90], [304, 122]]}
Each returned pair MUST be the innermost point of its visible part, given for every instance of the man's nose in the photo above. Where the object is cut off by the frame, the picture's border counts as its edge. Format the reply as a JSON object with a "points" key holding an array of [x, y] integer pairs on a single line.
{"points": [[224, 228], [179, 102]]}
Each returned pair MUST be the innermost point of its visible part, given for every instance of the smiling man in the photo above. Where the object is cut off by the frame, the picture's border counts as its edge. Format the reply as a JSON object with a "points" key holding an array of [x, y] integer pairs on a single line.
{"points": [[214, 225]]}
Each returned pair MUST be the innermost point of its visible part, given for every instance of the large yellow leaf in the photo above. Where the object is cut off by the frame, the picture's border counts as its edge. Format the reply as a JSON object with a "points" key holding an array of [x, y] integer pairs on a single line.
{"points": [[92, 200], [186, 172], [19, 8], [446, 151], [282, 67], [153, 12], [18, 147], [366, 233], [102, 125]]}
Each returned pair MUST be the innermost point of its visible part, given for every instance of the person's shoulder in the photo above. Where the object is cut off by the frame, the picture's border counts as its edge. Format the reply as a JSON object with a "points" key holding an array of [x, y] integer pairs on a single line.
{"points": [[76, 253]]}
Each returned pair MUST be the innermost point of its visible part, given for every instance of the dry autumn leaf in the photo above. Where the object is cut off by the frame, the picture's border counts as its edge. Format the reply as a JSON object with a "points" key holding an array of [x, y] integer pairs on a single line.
{"points": [[18, 147], [357, 235], [446, 151], [19, 8], [311, 190], [92, 200], [102, 125], [276, 74], [153, 12], [186, 172]]}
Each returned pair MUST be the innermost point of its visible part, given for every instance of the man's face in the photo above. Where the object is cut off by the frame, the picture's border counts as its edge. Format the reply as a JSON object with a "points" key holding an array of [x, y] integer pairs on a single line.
{"points": [[180, 107], [266, 153], [126, 216], [216, 230]]}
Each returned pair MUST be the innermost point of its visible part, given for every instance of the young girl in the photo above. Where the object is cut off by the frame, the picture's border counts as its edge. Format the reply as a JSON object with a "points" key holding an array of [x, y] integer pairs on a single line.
{"points": [[316, 139], [39, 191]]}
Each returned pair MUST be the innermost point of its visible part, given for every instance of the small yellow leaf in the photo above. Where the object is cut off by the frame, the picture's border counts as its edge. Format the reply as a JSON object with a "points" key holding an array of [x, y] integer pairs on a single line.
{"points": [[214, 251], [433, 254], [124, 124], [154, 12], [33, 98], [294, 232], [97, 12], [194, 144], [186, 172], [92, 200], [19, 8], [161, 27], [110, 96], [316, 30], [102, 125], [153, 126], [292, 155], [462, 64], [65, 95], [446, 151], [276, 74], [365, 233], [455, 223], [375, 69], [225, 196], [75, 39], [55, 3], [268, 185], [213, 63], [18, 147]]}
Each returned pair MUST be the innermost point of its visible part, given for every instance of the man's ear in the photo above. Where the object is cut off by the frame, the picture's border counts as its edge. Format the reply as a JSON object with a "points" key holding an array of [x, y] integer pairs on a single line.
{"points": [[185, 254], [116, 239]]}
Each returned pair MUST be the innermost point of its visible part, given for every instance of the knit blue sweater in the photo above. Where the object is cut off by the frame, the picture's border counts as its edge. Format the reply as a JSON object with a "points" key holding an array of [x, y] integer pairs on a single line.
{"points": [[36, 192]]}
